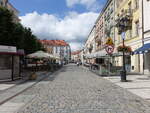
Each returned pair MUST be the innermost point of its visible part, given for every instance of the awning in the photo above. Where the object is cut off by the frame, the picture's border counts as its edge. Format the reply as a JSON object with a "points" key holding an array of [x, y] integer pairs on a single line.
{"points": [[12, 53], [144, 49], [99, 54]]}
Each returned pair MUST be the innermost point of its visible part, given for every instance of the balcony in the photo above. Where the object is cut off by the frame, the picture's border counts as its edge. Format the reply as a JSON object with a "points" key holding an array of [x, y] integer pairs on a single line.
{"points": [[124, 21]]}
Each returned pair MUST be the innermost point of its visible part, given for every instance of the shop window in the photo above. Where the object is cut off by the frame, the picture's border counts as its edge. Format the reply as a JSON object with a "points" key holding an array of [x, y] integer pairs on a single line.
{"points": [[100, 61]]}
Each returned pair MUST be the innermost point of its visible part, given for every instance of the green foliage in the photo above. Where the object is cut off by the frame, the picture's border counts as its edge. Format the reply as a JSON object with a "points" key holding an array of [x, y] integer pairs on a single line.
{"points": [[6, 26], [14, 34]]}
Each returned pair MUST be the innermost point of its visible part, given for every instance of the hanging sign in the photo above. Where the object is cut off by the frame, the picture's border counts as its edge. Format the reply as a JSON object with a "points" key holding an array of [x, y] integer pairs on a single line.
{"points": [[109, 41]]}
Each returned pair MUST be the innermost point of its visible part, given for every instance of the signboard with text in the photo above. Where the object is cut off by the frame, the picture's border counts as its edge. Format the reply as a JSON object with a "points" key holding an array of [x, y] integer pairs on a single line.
{"points": [[7, 49]]}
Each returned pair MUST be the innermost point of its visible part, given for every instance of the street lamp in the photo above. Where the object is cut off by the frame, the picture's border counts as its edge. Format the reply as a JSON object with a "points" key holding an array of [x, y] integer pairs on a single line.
{"points": [[123, 72], [123, 25]]}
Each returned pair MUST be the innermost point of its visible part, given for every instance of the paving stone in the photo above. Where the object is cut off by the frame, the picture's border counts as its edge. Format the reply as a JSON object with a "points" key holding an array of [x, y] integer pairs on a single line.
{"points": [[76, 90]]}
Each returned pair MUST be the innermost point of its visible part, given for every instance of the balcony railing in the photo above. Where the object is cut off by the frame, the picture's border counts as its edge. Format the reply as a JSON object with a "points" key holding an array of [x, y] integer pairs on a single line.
{"points": [[124, 21]]}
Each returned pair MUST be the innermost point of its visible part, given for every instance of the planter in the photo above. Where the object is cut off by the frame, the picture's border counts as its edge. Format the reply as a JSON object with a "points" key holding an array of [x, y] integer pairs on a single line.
{"points": [[33, 76], [127, 49]]}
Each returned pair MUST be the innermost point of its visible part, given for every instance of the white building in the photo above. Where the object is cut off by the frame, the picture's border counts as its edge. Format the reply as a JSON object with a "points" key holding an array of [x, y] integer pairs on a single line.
{"points": [[90, 45], [146, 18], [58, 48], [144, 29], [146, 34], [77, 56]]}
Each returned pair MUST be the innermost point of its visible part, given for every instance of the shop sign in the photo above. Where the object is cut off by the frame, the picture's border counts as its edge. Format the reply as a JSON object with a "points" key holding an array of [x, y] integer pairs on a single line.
{"points": [[8, 49]]}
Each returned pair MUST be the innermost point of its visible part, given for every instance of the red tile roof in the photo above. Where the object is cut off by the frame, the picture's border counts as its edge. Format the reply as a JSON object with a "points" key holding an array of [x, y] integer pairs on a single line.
{"points": [[76, 52], [54, 42]]}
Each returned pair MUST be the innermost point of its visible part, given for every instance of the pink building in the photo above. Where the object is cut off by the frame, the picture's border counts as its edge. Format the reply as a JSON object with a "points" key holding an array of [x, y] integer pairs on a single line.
{"points": [[99, 33]]}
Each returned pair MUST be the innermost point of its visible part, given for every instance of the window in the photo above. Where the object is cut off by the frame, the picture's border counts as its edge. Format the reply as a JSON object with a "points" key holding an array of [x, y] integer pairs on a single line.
{"points": [[136, 4], [130, 8], [1, 3], [56, 50], [130, 33], [136, 28]]}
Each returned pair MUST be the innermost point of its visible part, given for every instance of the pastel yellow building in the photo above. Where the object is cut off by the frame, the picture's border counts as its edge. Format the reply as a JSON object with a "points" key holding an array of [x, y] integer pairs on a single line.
{"points": [[134, 63]]}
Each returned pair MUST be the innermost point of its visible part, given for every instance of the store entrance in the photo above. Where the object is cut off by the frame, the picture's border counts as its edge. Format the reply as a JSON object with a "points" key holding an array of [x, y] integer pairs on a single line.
{"points": [[128, 63]]}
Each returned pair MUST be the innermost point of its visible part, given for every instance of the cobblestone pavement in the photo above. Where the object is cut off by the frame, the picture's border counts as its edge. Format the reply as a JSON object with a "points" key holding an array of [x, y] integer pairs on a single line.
{"points": [[76, 90]]}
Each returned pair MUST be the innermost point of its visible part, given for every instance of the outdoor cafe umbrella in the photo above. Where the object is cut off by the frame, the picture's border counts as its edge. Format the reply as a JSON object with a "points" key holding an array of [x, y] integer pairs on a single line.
{"points": [[39, 54]]}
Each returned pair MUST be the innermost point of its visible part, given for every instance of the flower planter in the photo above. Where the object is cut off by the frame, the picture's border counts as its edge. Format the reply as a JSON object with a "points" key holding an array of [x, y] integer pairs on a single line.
{"points": [[33, 76], [126, 49]]}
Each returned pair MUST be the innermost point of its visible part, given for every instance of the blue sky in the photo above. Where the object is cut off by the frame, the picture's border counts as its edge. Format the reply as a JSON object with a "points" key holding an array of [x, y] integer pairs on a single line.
{"points": [[60, 19], [48, 6]]}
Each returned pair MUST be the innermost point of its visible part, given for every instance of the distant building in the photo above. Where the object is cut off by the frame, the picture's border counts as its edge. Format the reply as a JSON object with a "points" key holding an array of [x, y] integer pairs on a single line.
{"points": [[58, 48], [76, 55], [10, 7]]}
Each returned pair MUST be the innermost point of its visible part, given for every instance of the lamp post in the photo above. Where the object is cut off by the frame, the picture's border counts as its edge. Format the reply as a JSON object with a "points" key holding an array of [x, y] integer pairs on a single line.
{"points": [[123, 23], [123, 72]]}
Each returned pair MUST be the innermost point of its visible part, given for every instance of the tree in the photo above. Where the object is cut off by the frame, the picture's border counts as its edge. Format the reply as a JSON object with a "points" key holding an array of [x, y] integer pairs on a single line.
{"points": [[6, 26], [14, 34]]}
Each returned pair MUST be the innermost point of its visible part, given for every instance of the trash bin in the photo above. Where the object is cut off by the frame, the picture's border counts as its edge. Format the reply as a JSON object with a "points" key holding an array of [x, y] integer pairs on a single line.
{"points": [[123, 76]]}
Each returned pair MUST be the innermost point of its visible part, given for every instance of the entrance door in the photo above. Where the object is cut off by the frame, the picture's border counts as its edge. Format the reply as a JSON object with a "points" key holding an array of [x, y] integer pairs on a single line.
{"points": [[128, 63]]}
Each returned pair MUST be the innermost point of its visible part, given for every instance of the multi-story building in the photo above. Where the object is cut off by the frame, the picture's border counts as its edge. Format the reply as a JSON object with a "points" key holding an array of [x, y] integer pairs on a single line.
{"points": [[144, 31], [104, 28], [136, 34], [58, 48], [9, 6], [90, 46], [99, 32], [130, 8], [109, 19], [76, 56], [3, 3]]}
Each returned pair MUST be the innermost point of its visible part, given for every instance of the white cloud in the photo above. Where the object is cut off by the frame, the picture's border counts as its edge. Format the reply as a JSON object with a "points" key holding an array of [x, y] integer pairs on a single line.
{"points": [[73, 28], [90, 4], [76, 45]]}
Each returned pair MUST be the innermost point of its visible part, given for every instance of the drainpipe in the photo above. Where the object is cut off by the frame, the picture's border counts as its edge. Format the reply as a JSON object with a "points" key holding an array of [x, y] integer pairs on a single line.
{"points": [[143, 33]]}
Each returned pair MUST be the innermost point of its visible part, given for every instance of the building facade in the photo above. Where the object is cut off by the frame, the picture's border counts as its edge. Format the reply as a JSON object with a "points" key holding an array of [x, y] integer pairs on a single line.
{"points": [[130, 8], [58, 48], [90, 46], [76, 56], [109, 19], [145, 21], [99, 33], [11, 8]]}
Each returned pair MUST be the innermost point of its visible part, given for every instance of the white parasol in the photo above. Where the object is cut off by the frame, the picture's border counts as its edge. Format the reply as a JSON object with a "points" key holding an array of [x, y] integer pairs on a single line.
{"points": [[39, 54]]}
